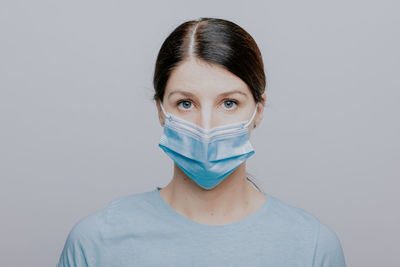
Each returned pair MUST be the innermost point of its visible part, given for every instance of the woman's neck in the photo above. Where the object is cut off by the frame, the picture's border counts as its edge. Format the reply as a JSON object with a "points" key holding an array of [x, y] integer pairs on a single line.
{"points": [[231, 200]]}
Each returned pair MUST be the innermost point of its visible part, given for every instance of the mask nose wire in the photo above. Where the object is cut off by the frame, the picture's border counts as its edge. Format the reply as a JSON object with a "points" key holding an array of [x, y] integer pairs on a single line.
{"points": [[252, 116]]}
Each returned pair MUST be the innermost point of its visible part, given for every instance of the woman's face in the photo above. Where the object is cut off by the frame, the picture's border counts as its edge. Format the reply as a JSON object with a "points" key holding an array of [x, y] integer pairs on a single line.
{"points": [[209, 96]]}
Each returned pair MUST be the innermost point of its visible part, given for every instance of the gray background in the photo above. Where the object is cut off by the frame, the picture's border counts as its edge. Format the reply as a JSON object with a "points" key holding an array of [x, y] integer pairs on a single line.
{"points": [[79, 127]]}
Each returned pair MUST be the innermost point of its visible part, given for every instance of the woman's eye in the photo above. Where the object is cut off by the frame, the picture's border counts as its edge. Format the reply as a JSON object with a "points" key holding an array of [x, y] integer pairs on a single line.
{"points": [[185, 104], [229, 104]]}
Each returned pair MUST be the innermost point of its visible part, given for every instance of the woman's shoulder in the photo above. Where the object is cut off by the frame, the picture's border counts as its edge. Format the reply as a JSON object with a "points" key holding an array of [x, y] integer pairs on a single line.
{"points": [[122, 210], [291, 214], [300, 222], [293, 218], [87, 234]]}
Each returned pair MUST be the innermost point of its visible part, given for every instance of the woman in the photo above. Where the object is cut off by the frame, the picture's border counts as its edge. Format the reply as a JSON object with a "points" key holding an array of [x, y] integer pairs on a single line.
{"points": [[209, 91]]}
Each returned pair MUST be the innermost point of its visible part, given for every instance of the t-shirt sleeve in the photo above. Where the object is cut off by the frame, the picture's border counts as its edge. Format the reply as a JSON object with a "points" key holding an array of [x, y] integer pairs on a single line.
{"points": [[81, 249], [328, 249]]}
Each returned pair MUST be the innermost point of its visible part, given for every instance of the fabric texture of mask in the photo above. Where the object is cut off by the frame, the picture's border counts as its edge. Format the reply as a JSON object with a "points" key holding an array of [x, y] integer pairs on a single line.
{"points": [[206, 156]]}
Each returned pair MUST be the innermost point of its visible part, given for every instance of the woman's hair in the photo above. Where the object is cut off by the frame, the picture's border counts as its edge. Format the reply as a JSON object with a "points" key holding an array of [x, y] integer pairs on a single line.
{"points": [[212, 41]]}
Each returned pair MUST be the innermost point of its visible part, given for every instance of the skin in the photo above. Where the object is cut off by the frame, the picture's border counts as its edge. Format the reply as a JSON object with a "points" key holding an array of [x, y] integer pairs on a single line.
{"points": [[234, 198]]}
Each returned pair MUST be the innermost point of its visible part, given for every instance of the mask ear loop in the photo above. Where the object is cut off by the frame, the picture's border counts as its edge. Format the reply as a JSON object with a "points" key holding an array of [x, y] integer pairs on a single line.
{"points": [[163, 110], [252, 117]]}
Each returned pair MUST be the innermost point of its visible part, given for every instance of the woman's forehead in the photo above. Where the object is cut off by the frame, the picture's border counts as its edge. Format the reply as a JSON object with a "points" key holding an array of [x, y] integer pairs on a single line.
{"points": [[192, 77]]}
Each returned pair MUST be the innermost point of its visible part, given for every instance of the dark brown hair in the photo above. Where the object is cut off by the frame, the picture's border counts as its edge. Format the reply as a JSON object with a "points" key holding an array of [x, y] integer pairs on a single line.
{"points": [[212, 41], [215, 41]]}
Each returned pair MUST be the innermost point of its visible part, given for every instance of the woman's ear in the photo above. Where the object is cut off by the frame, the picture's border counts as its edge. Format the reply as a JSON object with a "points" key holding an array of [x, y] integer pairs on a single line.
{"points": [[160, 113], [260, 111]]}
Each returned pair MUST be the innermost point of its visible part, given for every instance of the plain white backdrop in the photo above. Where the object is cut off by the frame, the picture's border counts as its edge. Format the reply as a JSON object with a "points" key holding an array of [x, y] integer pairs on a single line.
{"points": [[79, 128]]}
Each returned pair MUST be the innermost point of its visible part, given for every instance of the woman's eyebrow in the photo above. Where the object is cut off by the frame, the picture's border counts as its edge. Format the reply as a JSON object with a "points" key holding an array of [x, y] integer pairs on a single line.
{"points": [[189, 94], [185, 93], [233, 92]]}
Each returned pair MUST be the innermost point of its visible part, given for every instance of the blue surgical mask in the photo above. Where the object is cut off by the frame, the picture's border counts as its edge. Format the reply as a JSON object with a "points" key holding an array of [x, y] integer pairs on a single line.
{"points": [[206, 156]]}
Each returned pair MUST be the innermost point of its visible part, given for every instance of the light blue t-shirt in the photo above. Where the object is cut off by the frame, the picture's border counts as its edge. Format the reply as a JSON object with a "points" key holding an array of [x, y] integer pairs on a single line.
{"points": [[143, 230]]}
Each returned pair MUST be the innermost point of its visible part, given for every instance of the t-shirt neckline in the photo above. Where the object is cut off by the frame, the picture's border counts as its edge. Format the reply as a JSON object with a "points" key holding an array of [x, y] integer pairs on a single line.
{"points": [[184, 221]]}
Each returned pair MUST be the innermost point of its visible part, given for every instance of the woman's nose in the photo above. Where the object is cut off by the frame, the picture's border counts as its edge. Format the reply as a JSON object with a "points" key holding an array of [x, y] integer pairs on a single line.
{"points": [[205, 119]]}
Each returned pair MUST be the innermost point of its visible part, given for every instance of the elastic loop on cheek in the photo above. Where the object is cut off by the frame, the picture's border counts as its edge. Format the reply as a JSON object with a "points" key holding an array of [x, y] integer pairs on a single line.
{"points": [[166, 115], [252, 116]]}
